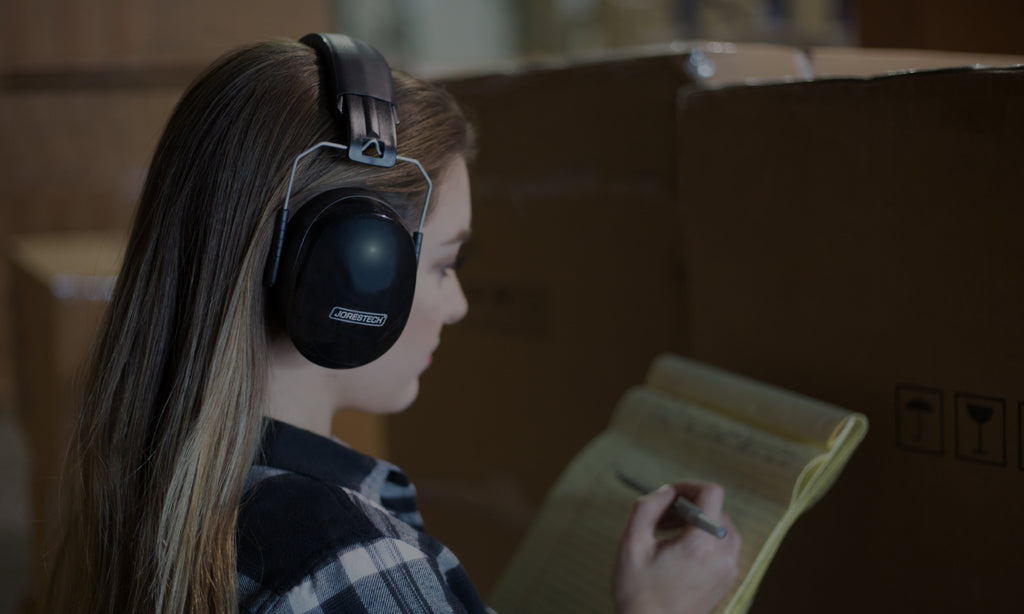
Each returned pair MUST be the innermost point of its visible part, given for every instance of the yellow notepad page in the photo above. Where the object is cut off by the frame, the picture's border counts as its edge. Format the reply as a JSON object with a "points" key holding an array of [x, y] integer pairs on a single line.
{"points": [[775, 452]]}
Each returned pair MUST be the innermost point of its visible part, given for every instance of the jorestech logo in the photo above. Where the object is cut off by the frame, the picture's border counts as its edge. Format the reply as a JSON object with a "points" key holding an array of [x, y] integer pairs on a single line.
{"points": [[363, 318]]}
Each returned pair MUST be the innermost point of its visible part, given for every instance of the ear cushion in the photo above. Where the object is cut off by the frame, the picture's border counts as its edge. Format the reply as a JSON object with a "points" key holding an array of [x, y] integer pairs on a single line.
{"points": [[347, 278]]}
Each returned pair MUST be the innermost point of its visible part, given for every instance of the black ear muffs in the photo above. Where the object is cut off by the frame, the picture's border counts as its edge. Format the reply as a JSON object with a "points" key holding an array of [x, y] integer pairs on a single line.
{"points": [[347, 278], [342, 272]]}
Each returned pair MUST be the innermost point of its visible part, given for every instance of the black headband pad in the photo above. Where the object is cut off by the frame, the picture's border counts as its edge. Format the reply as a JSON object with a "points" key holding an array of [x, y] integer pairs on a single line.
{"points": [[358, 82], [355, 67]]}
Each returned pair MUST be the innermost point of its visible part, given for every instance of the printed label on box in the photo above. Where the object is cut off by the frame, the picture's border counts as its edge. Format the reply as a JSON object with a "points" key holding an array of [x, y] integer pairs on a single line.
{"points": [[919, 419], [1020, 435], [981, 429]]}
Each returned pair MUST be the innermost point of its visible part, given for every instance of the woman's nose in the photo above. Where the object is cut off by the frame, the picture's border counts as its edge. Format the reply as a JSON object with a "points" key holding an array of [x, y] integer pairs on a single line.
{"points": [[456, 304]]}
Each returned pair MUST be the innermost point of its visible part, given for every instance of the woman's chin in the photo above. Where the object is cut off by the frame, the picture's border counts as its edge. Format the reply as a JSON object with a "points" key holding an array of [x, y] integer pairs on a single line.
{"points": [[398, 403], [412, 391]]}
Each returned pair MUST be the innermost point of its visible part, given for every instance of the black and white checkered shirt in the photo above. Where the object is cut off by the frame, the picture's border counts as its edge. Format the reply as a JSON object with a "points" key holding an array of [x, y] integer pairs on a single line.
{"points": [[323, 528]]}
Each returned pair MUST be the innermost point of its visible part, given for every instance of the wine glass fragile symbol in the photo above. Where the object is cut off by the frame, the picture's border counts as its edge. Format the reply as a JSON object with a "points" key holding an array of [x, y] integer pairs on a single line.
{"points": [[980, 414]]}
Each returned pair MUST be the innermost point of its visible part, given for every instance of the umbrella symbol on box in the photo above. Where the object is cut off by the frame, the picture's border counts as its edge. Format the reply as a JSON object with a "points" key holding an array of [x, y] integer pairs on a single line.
{"points": [[920, 407]]}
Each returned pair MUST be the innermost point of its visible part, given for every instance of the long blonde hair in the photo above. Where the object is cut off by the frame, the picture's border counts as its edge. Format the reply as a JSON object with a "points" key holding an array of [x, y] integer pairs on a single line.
{"points": [[174, 391]]}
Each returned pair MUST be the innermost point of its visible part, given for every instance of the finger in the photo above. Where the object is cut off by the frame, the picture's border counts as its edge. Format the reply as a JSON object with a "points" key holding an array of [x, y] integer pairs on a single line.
{"points": [[733, 538], [731, 545], [708, 497], [695, 544], [648, 509]]}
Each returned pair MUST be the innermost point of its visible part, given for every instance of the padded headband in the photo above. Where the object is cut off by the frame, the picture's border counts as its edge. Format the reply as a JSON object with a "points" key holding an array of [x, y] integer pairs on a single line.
{"points": [[358, 80]]}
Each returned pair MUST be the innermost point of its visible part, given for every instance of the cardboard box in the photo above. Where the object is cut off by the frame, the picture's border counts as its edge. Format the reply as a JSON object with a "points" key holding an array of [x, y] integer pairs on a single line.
{"points": [[85, 90], [859, 241], [78, 161], [59, 287], [605, 197], [855, 62]]}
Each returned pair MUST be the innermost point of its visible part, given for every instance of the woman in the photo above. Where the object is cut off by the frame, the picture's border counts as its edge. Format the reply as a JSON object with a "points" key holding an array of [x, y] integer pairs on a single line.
{"points": [[201, 475]]}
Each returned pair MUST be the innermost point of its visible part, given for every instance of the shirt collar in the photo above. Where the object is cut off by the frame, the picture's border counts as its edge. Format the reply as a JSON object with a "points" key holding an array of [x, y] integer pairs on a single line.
{"points": [[290, 448]]}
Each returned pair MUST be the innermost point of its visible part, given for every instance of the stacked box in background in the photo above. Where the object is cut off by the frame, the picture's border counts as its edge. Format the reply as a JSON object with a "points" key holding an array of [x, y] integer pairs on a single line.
{"points": [[60, 287], [85, 91]]}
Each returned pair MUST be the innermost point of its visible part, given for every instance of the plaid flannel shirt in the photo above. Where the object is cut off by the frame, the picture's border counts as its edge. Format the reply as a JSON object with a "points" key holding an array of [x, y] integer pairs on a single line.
{"points": [[323, 529]]}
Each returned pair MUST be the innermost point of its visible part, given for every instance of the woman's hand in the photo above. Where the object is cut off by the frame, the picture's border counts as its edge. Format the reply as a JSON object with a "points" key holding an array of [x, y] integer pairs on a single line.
{"points": [[685, 574]]}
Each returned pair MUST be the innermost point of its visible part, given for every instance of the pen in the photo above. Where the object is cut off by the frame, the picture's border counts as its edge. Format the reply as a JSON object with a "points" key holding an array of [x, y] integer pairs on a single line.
{"points": [[683, 506]]}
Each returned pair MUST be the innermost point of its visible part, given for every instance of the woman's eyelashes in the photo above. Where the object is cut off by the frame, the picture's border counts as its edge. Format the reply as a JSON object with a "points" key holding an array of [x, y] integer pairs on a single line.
{"points": [[451, 265]]}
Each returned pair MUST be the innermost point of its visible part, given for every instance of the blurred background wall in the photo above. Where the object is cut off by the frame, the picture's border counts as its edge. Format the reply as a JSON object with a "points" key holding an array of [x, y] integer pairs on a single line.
{"points": [[85, 88]]}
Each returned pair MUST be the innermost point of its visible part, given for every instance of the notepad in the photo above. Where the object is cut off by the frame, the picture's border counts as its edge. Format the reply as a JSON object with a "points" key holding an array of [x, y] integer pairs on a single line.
{"points": [[774, 451]]}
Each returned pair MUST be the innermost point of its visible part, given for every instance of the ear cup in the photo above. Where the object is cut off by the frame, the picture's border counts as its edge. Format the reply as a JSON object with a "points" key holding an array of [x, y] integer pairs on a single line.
{"points": [[347, 278]]}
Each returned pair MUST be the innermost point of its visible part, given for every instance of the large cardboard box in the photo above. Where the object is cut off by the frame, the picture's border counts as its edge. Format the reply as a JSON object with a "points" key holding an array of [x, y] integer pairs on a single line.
{"points": [[621, 211], [860, 241]]}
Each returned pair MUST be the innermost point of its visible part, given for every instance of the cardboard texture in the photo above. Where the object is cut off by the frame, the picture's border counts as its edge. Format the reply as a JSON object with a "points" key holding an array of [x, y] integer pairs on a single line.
{"points": [[849, 62], [582, 270], [860, 242]]}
